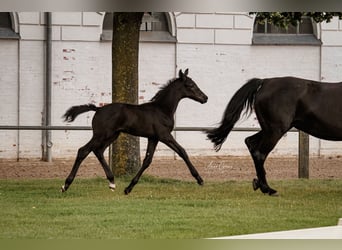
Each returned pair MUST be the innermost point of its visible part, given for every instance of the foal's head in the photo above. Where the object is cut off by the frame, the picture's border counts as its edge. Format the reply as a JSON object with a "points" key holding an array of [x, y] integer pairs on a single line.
{"points": [[188, 88]]}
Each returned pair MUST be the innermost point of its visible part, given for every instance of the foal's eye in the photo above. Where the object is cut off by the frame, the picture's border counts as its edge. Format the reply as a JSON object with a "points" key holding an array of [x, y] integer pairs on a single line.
{"points": [[190, 84]]}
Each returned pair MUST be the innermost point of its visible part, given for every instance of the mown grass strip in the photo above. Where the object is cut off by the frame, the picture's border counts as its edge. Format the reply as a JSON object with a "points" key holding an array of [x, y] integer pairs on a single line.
{"points": [[162, 209]]}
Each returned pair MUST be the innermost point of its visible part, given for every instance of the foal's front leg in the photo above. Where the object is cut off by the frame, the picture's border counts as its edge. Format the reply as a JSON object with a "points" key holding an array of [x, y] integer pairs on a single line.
{"points": [[171, 142], [151, 147]]}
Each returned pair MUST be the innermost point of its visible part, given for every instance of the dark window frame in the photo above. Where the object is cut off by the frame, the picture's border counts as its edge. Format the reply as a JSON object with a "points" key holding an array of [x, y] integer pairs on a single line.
{"points": [[6, 27], [155, 27], [302, 34]]}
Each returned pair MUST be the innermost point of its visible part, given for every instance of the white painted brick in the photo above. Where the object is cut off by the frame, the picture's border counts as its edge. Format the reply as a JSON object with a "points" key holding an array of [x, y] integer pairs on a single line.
{"points": [[8, 82], [243, 22], [185, 21], [330, 38], [32, 32], [56, 33], [29, 17], [233, 36], [30, 144], [92, 18], [32, 79], [163, 57], [331, 64], [81, 33], [66, 18], [332, 25], [214, 21], [195, 35]]}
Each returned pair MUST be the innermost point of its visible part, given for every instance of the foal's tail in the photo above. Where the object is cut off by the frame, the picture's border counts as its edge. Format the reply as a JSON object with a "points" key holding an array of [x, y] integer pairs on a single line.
{"points": [[243, 99], [74, 111]]}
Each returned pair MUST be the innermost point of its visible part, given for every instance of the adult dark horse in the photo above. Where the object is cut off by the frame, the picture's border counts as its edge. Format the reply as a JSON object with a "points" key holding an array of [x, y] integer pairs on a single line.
{"points": [[280, 104], [154, 120]]}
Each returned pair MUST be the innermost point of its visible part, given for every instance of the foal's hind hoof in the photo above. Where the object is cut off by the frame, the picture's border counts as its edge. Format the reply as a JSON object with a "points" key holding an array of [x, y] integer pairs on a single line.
{"points": [[112, 186], [200, 181]]}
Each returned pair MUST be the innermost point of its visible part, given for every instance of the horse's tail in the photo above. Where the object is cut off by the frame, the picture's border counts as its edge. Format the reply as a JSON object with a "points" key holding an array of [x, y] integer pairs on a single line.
{"points": [[243, 99], [71, 114]]}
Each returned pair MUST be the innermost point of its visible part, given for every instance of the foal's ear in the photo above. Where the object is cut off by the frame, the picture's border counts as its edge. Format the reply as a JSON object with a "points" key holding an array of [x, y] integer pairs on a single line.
{"points": [[183, 75], [186, 72], [180, 74]]}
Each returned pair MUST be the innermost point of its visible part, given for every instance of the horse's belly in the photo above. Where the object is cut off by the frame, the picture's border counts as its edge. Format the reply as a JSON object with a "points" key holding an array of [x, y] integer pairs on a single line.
{"points": [[327, 130]]}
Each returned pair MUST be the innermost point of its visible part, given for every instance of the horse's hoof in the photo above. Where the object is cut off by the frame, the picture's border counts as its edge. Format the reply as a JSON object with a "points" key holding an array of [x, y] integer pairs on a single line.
{"points": [[256, 184], [112, 186], [273, 192], [63, 189]]}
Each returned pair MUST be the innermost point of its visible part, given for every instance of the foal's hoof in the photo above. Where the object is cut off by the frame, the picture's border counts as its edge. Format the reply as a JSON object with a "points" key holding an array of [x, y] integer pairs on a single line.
{"points": [[200, 181], [112, 186], [127, 191], [63, 189]]}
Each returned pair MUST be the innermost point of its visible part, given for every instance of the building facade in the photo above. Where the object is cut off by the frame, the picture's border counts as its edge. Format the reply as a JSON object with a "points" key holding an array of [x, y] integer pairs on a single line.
{"points": [[221, 50]]}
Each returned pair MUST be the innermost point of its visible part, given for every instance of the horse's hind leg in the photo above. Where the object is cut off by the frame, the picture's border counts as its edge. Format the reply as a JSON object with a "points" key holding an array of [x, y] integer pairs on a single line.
{"points": [[260, 145], [82, 153], [151, 147]]}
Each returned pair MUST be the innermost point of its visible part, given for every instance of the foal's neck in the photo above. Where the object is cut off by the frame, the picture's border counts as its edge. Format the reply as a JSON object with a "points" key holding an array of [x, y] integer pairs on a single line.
{"points": [[168, 103]]}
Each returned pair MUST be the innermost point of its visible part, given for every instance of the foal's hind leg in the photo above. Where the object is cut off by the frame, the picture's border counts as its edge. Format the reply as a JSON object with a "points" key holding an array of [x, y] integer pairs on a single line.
{"points": [[151, 147], [260, 145], [82, 153], [109, 174]]}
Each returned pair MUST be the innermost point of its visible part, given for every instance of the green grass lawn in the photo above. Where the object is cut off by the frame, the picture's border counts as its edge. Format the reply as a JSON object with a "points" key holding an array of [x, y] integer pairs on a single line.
{"points": [[160, 208]]}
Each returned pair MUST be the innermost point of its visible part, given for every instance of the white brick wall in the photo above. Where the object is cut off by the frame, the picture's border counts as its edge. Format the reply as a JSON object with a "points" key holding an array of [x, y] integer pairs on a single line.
{"points": [[9, 97], [216, 21], [233, 37], [67, 18], [195, 36], [32, 32], [216, 47], [332, 33], [92, 18], [29, 18], [186, 20], [211, 28], [81, 33]]}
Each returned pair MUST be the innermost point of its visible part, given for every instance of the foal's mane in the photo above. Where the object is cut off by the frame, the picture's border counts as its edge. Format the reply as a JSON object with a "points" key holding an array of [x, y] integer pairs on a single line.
{"points": [[163, 89]]}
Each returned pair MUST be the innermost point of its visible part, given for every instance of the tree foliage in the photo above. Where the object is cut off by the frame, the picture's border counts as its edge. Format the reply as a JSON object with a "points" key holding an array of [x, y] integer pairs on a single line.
{"points": [[284, 19]]}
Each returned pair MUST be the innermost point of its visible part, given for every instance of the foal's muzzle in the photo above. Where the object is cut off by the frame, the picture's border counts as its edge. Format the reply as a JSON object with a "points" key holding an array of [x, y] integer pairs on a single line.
{"points": [[203, 99]]}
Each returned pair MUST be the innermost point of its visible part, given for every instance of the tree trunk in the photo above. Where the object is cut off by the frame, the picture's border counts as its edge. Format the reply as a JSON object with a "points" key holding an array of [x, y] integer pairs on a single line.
{"points": [[125, 51]]}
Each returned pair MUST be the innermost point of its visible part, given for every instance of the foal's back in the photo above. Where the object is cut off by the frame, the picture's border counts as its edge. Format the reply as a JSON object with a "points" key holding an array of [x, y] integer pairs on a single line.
{"points": [[140, 120]]}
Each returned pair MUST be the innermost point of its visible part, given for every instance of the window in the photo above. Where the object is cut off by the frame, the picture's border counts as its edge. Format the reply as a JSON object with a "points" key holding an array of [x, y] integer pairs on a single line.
{"points": [[155, 27], [6, 27], [269, 34]]}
